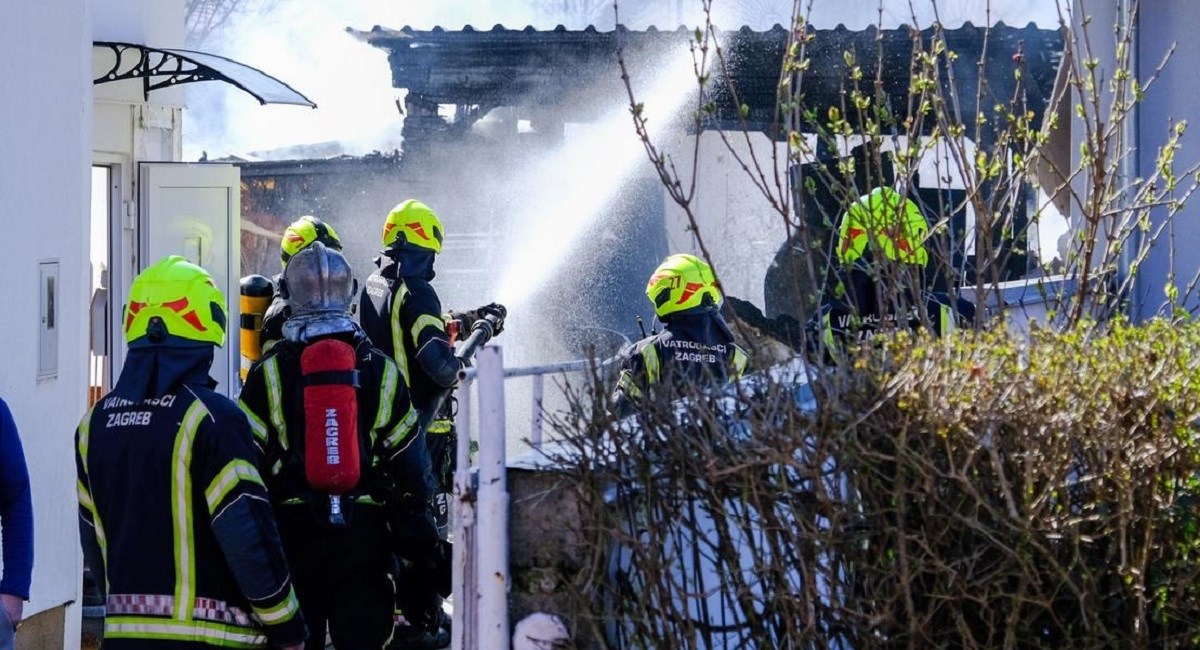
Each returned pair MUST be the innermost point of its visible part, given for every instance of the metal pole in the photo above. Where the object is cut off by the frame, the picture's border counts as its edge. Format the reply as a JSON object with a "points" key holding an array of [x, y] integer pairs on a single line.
{"points": [[492, 564], [1131, 164], [535, 427], [466, 607]]}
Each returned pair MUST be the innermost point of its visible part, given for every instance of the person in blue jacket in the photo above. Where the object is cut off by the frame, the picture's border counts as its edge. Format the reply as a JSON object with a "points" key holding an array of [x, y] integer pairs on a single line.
{"points": [[16, 521]]}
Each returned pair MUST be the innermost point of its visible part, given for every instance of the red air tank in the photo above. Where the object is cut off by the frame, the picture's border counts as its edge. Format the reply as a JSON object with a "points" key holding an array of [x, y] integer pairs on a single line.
{"points": [[331, 453]]}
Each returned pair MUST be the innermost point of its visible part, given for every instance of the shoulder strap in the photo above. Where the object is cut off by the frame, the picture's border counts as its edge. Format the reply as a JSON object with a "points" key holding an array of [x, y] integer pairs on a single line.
{"points": [[653, 362], [738, 362]]}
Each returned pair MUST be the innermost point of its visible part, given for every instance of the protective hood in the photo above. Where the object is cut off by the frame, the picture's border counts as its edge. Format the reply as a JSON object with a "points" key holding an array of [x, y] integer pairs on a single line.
{"points": [[409, 262], [700, 323], [304, 328], [152, 372]]}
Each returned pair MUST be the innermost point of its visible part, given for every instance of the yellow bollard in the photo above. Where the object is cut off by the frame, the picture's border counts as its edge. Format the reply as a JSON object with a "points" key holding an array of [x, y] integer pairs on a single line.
{"points": [[256, 293]]}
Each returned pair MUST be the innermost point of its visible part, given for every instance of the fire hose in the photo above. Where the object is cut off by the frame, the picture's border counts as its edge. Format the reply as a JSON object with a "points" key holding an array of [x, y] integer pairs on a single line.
{"points": [[482, 331]]}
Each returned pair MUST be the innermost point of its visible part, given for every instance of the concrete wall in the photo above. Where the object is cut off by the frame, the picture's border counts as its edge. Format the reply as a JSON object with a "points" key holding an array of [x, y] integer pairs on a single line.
{"points": [[46, 131]]}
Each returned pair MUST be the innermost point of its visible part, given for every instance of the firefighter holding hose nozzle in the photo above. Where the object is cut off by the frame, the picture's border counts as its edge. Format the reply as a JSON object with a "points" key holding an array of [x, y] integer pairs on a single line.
{"points": [[402, 314], [342, 456]]}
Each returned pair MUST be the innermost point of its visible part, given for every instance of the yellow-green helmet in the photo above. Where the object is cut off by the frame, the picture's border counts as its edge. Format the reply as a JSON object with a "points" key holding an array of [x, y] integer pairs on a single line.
{"points": [[682, 282], [303, 232], [174, 302], [886, 225], [415, 224]]}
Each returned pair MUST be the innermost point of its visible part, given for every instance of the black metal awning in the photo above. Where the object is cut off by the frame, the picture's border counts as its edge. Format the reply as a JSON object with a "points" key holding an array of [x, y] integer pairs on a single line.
{"points": [[164, 68]]}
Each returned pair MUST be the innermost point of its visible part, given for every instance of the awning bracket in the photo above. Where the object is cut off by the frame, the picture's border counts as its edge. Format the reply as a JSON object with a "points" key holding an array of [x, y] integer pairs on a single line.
{"points": [[164, 68]]}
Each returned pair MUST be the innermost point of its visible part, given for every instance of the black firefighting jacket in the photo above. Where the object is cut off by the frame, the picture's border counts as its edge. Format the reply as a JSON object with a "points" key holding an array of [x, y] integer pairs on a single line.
{"points": [[175, 517], [274, 317], [695, 348], [402, 315], [864, 308]]}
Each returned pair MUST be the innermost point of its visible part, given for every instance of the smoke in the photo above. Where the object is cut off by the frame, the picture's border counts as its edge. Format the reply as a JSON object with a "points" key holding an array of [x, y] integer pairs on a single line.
{"points": [[304, 43], [576, 183]]}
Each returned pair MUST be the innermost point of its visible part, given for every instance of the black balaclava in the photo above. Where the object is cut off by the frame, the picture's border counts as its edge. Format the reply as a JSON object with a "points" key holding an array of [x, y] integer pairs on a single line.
{"points": [[703, 320], [412, 262], [156, 370]]}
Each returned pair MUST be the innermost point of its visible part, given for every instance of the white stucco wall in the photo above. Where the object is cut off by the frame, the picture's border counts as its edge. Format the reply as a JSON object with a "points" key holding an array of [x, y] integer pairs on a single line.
{"points": [[156, 23], [736, 222], [130, 127], [1161, 24], [45, 133]]}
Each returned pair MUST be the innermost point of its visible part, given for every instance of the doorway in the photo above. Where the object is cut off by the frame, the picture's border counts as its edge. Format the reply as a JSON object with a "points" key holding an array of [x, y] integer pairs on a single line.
{"points": [[104, 197]]}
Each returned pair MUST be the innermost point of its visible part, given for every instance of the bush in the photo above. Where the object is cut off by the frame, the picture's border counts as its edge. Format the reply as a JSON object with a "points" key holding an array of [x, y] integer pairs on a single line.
{"points": [[987, 490]]}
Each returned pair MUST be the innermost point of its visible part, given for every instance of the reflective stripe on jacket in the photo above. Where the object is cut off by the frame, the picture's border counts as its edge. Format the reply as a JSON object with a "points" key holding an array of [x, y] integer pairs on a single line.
{"points": [[403, 318]]}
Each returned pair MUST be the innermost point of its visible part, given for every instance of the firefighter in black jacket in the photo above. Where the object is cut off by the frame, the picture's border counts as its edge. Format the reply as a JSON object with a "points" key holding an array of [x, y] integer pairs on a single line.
{"points": [[173, 510], [338, 545], [298, 236], [401, 313], [695, 347], [879, 280]]}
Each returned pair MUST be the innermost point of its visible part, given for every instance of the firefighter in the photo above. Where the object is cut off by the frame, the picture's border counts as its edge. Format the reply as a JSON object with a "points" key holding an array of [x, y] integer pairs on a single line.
{"points": [[173, 510], [317, 423], [695, 346], [296, 237], [402, 314], [879, 280]]}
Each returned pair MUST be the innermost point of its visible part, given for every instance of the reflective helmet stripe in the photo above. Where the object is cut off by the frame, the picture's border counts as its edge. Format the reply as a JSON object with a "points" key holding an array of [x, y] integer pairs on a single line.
{"points": [[682, 282], [174, 297], [302, 233], [413, 223]]}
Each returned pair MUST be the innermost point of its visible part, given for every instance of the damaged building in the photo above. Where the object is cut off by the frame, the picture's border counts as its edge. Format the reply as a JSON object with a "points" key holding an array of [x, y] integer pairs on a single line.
{"points": [[483, 104]]}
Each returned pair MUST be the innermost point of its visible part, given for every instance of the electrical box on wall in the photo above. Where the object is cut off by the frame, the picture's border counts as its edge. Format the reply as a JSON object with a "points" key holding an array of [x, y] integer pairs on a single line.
{"points": [[48, 319]]}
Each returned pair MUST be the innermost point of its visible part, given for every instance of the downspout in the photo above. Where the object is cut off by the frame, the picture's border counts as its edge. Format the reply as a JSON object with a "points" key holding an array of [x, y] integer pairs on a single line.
{"points": [[1130, 164]]}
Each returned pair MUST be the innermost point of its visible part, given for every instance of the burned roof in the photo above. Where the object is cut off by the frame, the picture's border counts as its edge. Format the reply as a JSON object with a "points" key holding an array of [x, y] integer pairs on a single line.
{"points": [[575, 72]]}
